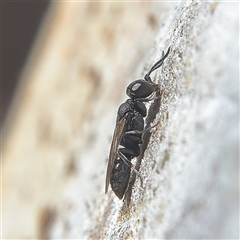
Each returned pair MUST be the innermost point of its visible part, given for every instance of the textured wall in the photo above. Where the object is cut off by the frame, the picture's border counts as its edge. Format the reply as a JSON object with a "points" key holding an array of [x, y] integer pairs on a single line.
{"points": [[57, 138]]}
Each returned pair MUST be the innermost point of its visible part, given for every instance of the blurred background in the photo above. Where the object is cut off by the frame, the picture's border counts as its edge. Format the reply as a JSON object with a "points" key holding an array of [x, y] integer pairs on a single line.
{"points": [[63, 86], [20, 23]]}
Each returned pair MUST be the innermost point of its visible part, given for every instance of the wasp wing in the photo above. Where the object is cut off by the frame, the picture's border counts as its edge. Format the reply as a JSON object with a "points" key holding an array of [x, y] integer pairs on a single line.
{"points": [[117, 137]]}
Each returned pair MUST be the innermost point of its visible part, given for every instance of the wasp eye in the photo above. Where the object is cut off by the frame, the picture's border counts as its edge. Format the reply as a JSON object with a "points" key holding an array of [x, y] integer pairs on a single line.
{"points": [[136, 86], [140, 89]]}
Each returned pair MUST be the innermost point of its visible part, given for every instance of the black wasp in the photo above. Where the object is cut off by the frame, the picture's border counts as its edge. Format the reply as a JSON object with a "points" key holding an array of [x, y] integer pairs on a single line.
{"points": [[128, 131]]}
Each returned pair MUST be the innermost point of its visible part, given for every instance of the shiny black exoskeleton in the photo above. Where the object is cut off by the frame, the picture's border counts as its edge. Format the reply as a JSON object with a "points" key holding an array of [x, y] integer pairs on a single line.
{"points": [[129, 130]]}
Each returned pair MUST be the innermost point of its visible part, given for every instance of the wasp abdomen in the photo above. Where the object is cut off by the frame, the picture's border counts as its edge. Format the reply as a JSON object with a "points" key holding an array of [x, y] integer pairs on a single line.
{"points": [[119, 179]]}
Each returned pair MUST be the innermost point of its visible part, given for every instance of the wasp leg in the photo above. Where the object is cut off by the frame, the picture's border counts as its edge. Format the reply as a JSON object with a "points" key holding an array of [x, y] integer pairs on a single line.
{"points": [[149, 99], [143, 131], [155, 96], [128, 162]]}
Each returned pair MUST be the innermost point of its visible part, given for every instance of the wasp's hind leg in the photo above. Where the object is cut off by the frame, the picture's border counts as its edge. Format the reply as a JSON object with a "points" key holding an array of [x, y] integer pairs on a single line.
{"points": [[128, 162]]}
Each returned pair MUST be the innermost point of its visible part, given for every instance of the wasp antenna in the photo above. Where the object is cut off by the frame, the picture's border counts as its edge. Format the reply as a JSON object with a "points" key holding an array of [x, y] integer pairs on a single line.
{"points": [[157, 65]]}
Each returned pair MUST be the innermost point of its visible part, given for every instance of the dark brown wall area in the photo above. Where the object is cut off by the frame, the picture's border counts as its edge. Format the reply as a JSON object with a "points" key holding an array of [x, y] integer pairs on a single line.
{"points": [[20, 22]]}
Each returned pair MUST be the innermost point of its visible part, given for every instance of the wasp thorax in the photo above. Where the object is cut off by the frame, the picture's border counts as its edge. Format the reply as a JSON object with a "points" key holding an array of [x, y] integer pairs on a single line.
{"points": [[140, 89]]}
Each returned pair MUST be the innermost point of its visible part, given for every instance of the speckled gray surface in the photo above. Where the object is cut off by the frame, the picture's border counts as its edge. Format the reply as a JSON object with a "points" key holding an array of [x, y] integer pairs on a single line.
{"points": [[190, 169]]}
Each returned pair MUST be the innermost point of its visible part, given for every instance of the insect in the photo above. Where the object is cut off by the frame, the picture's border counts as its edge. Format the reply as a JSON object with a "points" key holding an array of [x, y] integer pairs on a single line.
{"points": [[128, 131]]}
